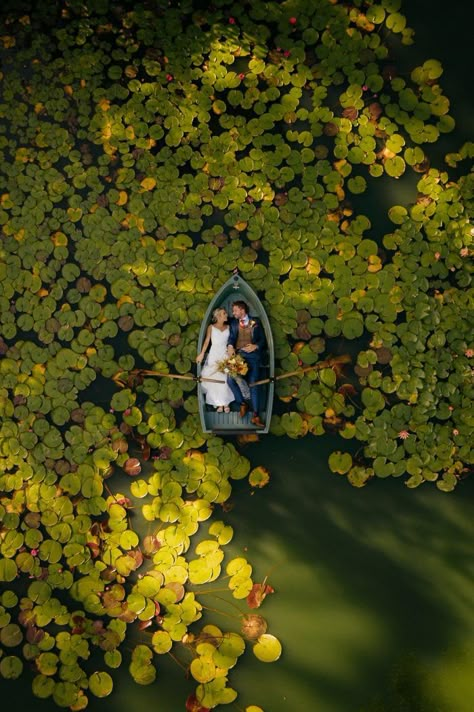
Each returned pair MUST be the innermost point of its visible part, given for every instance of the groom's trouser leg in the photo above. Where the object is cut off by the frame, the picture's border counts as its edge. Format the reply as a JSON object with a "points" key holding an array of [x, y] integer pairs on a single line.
{"points": [[253, 374], [235, 390]]}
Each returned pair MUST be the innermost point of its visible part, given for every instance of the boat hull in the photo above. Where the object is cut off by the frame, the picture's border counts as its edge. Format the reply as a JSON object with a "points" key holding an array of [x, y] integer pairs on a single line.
{"points": [[235, 289]]}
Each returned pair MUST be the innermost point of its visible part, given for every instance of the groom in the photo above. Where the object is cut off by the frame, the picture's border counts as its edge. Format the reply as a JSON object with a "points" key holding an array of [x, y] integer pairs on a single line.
{"points": [[246, 337]]}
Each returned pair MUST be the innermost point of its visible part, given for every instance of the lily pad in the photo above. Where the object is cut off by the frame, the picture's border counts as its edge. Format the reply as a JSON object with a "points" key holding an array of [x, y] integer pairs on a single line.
{"points": [[100, 684], [267, 648], [340, 462]]}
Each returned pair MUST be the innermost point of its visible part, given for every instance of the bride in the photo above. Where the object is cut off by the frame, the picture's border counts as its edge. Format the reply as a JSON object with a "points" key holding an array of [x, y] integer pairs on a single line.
{"points": [[217, 394]]}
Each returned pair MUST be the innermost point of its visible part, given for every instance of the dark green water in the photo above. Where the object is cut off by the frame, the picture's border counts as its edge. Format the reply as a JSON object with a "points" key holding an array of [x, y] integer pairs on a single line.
{"points": [[373, 595], [374, 587]]}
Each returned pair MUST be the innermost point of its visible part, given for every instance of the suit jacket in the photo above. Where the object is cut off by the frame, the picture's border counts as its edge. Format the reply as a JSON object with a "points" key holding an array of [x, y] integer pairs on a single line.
{"points": [[258, 337]]}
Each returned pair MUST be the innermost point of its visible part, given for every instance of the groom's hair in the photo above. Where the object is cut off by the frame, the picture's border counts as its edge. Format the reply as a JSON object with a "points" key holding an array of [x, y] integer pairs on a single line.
{"points": [[241, 305]]}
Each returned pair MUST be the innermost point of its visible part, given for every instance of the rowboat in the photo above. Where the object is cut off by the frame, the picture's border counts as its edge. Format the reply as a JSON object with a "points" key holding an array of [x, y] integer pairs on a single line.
{"points": [[236, 288]]}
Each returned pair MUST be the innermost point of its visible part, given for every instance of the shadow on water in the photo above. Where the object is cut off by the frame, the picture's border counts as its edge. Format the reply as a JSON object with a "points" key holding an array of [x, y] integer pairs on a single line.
{"points": [[365, 580]]}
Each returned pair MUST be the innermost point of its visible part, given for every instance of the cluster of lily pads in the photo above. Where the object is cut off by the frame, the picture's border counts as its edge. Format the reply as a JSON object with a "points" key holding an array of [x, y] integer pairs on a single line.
{"points": [[147, 151]]}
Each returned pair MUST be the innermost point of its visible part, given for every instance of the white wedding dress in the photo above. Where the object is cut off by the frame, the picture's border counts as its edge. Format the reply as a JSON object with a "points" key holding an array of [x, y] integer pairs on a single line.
{"points": [[216, 393]]}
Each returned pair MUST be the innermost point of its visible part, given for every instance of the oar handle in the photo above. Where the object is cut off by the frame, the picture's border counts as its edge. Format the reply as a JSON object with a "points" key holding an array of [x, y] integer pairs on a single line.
{"points": [[184, 377], [317, 366]]}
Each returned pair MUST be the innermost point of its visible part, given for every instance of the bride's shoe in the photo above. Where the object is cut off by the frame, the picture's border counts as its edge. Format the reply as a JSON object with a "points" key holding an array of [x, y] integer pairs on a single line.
{"points": [[226, 409], [220, 409]]}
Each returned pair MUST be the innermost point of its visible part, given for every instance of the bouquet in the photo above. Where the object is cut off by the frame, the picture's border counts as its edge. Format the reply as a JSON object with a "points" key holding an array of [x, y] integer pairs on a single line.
{"points": [[234, 366]]}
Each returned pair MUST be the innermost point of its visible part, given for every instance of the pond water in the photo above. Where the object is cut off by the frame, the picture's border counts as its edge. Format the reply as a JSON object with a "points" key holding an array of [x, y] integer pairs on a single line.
{"points": [[372, 603], [374, 587]]}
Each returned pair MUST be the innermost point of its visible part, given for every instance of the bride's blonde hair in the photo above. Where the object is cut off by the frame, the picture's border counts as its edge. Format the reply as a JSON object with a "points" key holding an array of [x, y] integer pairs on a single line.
{"points": [[215, 313]]}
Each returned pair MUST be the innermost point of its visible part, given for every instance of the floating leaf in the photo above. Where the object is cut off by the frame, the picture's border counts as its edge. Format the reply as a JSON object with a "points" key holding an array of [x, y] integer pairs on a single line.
{"points": [[253, 626], [8, 570], [395, 166], [259, 477], [203, 669], [340, 462], [267, 648], [132, 466], [100, 684], [11, 635], [43, 686], [258, 594], [161, 642]]}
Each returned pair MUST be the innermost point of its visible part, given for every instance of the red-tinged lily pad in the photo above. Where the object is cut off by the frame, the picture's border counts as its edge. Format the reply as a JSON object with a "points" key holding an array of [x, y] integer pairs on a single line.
{"points": [[150, 545], [132, 466], [193, 705], [258, 594]]}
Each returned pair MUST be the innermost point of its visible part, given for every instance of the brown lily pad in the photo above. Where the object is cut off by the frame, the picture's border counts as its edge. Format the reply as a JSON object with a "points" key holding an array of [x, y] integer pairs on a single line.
{"points": [[126, 322], [132, 466], [253, 626]]}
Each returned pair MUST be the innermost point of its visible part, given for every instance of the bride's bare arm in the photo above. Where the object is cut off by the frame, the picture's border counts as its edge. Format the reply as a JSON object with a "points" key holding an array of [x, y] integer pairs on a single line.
{"points": [[205, 345]]}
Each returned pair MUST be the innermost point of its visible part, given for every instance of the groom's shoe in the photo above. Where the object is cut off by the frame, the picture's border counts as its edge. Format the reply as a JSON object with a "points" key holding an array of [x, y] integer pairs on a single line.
{"points": [[256, 421], [243, 409]]}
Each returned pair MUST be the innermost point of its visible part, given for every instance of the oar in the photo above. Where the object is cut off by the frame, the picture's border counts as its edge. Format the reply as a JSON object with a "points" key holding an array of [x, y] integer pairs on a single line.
{"points": [[184, 377], [317, 366], [190, 377]]}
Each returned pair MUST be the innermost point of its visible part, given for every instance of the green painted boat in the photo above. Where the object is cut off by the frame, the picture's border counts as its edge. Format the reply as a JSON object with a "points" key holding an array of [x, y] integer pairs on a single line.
{"points": [[236, 288]]}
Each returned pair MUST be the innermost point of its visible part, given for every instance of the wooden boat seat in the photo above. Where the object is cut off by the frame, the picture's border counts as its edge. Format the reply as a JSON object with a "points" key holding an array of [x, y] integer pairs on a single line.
{"points": [[231, 422]]}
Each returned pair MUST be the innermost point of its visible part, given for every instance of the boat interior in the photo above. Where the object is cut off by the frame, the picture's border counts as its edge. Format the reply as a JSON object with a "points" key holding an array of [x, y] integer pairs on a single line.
{"points": [[232, 422]]}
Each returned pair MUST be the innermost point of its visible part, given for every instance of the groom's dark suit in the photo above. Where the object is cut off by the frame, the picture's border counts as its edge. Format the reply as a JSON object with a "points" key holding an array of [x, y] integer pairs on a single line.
{"points": [[253, 358]]}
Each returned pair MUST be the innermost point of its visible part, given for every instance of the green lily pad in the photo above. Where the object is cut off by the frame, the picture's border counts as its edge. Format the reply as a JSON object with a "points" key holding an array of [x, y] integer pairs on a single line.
{"points": [[259, 477], [340, 462], [395, 166], [113, 658], [357, 185], [11, 635], [43, 686], [100, 684], [267, 648], [11, 667], [122, 400], [203, 669], [8, 570]]}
